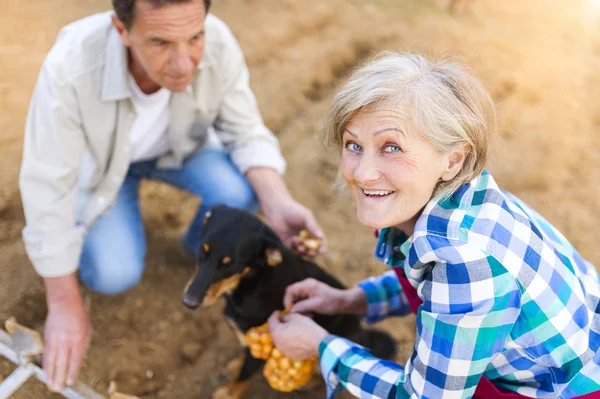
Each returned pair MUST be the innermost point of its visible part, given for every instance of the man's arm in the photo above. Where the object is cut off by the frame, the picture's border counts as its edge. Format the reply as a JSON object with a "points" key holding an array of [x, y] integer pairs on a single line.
{"points": [[54, 145], [239, 124], [255, 149], [269, 186], [52, 153], [287, 216]]}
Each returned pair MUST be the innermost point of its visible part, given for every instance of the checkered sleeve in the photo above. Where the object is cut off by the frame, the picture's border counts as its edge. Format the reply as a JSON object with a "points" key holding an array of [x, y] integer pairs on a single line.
{"points": [[470, 304], [345, 364], [384, 297]]}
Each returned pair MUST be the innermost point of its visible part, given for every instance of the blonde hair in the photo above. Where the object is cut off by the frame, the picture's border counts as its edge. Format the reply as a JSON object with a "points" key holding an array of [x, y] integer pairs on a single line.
{"points": [[449, 107]]}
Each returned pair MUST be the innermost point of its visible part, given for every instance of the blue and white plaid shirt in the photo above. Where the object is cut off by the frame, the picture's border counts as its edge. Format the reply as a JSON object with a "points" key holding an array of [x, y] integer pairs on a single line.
{"points": [[505, 296]]}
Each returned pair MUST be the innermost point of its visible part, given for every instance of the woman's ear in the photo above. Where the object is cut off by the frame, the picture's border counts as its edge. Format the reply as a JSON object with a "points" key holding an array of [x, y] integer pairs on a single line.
{"points": [[455, 160]]}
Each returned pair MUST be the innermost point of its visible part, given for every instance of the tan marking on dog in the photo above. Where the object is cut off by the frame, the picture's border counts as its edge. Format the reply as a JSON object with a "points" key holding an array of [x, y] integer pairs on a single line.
{"points": [[226, 260], [190, 281], [234, 390], [225, 286], [238, 334], [273, 257], [206, 247]]}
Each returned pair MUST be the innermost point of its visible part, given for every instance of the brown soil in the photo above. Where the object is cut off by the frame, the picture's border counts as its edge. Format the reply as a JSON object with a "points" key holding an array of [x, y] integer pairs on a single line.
{"points": [[539, 61]]}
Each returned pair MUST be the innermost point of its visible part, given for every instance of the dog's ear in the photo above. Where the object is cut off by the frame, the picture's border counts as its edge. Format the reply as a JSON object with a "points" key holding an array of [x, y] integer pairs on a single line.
{"points": [[273, 256], [270, 248]]}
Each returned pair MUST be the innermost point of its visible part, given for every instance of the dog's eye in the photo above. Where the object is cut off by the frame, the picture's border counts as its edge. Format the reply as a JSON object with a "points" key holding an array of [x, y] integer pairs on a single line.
{"points": [[226, 260], [206, 248]]}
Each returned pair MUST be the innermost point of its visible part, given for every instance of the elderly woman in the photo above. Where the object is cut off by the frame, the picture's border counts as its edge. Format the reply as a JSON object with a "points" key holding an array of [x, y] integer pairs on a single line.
{"points": [[503, 300]]}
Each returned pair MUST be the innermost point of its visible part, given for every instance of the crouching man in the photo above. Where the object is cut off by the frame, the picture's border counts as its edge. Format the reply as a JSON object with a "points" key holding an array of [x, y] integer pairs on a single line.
{"points": [[157, 89]]}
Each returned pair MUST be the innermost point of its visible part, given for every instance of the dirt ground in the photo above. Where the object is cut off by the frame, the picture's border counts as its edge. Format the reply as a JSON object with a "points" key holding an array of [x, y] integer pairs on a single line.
{"points": [[539, 58]]}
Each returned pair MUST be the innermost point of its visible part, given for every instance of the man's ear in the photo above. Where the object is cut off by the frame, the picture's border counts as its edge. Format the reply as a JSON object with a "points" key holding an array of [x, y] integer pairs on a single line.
{"points": [[121, 30], [454, 161]]}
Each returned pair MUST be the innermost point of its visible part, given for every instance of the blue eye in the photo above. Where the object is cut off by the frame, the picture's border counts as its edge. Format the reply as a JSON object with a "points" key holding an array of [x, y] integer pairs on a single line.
{"points": [[392, 148], [352, 146]]}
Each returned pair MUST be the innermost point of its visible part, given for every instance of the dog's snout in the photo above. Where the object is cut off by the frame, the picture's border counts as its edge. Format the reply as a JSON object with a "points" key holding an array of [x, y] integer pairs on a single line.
{"points": [[194, 291], [191, 303]]}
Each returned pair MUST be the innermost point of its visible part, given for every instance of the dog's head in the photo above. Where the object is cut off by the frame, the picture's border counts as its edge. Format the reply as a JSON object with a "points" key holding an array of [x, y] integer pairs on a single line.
{"points": [[234, 245]]}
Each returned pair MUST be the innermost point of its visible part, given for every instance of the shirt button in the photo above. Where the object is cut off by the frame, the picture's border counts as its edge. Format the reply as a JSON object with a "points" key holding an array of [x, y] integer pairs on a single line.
{"points": [[396, 249]]}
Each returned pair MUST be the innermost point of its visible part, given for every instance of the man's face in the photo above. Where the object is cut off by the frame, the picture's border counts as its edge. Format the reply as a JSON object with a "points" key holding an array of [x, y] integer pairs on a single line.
{"points": [[166, 43]]}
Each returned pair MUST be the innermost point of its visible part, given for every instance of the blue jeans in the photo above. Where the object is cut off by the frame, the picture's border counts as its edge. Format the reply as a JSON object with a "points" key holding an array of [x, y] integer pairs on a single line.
{"points": [[113, 254]]}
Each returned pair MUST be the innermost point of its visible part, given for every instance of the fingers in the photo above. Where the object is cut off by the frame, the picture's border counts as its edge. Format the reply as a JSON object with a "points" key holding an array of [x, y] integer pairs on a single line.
{"points": [[65, 349], [315, 229], [293, 317], [60, 367], [311, 305], [274, 320], [297, 291], [77, 355], [49, 360], [313, 226]]}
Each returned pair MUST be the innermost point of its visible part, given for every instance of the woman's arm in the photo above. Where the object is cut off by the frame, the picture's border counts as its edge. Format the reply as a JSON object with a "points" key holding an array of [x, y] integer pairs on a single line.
{"points": [[470, 303], [384, 296]]}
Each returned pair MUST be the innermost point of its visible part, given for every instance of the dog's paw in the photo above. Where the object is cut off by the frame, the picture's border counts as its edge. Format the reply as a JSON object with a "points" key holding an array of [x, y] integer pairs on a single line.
{"points": [[223, 393], [312, 385], [233, 391]]}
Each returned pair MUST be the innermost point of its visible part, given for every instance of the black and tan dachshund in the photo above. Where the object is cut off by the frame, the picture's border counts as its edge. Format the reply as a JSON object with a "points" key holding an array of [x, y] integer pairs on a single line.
{"points": [[244, 261]]}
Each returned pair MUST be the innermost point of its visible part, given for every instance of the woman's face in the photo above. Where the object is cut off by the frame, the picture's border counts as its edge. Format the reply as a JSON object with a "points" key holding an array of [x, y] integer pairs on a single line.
{"points": [[390, 169]]}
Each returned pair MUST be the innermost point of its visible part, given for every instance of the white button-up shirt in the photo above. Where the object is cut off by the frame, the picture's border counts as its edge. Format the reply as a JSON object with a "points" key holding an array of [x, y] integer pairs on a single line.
{"points": [[76, 152]]}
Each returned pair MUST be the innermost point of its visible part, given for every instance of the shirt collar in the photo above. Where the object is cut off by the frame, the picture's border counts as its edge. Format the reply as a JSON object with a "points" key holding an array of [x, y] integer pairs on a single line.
{"points": [[115, 79], [392, 246]]}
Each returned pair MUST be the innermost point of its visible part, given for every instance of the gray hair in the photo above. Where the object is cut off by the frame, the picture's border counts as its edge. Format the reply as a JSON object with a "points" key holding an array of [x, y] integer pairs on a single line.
{"points": [[449, 107]]}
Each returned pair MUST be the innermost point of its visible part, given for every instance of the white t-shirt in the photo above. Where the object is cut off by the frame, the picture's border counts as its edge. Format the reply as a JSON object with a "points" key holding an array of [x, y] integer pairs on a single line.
{"points": [[149, 132]]}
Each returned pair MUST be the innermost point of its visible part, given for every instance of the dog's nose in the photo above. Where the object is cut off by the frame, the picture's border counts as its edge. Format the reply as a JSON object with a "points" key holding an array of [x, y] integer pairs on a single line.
{"points": [[191, 303]]}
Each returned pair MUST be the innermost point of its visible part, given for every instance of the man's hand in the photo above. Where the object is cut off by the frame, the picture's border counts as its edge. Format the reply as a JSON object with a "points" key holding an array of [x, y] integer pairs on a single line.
{"points": [[287, 216], [291, 217], [67, 333], [297, 336]]}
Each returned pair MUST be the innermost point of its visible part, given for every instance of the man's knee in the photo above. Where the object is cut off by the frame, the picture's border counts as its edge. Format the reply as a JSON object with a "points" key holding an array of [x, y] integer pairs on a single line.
{"points": [[112, 276], [238, 194]]}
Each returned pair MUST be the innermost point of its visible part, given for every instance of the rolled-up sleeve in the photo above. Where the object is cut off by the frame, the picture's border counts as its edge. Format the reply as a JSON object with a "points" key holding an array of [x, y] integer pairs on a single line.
{"points": [[385, 297], [53, 147], [239, 125]]}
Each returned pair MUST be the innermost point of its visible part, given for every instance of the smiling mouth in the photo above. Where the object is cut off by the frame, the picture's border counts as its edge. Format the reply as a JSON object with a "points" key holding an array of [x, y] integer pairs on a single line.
{"points": [[377, 193]]}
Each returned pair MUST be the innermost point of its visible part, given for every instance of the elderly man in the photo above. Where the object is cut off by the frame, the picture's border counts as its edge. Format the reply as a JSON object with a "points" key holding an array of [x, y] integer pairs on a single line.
{"points": [[158, 90]]}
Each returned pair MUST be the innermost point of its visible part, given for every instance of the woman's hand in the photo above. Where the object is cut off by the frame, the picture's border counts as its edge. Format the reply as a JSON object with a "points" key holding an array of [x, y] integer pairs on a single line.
{"points": [[313, 296], [297, 336]]}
